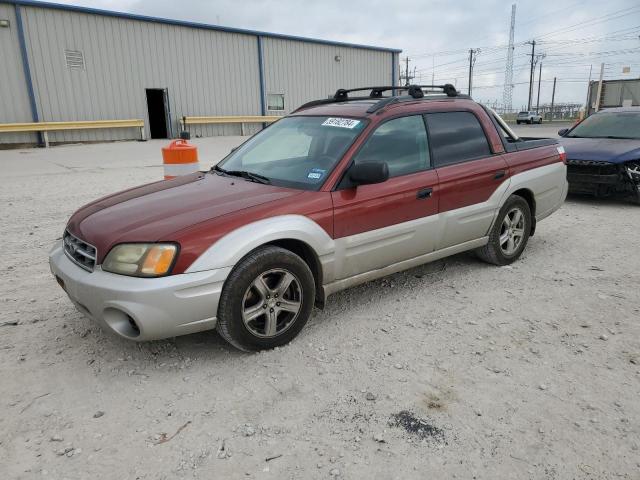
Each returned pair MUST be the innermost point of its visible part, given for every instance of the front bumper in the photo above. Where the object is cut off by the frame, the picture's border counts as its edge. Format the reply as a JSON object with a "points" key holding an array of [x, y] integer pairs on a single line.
{"points": [[601, 179], [142, 308]]}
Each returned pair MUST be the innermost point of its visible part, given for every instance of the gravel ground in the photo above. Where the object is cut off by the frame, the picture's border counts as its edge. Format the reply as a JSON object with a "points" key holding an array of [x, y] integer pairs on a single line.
{"points": [[455, 369]]}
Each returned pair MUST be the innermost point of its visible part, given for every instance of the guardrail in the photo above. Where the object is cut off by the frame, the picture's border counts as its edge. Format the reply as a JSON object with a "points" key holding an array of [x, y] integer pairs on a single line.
{"points": [[46, 127], [228, 119]]}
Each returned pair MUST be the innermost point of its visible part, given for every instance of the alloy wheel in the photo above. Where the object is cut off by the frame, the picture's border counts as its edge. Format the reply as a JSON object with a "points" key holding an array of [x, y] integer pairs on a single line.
{"points": [[512, 231], [272, 303]]}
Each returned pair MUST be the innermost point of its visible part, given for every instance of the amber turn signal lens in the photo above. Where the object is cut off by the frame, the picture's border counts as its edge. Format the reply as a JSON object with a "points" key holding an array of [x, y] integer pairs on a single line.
{"points": [[158, 260]]}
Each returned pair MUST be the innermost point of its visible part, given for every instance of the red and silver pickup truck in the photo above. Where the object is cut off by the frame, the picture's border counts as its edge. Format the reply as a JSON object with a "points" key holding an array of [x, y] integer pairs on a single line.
{"points": [[340, 192]]}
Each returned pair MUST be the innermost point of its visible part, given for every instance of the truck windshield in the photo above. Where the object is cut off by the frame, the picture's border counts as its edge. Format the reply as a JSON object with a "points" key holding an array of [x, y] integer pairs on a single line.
{"points": [[623, 125], [296, 152]]}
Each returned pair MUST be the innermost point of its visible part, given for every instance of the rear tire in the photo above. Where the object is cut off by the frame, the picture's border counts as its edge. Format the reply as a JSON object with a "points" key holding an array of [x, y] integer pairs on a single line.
{"points": [[266, 300], [509, 234]]}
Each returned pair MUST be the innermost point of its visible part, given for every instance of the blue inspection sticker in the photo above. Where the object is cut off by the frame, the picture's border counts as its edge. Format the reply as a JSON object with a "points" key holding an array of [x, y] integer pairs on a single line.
{"points": [[316, 174]]}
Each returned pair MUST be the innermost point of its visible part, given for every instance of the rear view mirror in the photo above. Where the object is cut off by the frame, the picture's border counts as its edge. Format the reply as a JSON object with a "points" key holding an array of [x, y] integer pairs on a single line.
{"points": [[368, 173], [563, 131]]}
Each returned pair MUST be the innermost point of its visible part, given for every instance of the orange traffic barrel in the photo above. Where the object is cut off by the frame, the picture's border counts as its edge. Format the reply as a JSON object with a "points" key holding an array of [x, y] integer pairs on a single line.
{"points": [[179, 158]]}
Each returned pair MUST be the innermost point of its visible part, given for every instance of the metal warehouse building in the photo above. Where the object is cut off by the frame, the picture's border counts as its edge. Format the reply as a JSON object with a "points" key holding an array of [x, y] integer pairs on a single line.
{"points": [[68, 63]]}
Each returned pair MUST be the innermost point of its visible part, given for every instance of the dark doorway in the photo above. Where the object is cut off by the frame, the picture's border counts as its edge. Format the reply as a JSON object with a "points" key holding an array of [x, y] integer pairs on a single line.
{"points": [[157, 106]]}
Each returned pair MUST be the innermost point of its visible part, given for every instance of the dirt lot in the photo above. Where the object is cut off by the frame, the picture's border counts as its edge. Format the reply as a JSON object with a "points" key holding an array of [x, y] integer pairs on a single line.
{"points": [[452, 370]]}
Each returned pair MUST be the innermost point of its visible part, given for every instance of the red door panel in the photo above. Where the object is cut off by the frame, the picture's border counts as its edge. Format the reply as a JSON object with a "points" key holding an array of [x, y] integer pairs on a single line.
{"points": [[382, 224], [469, 183], [465, 189], [369, 207]]}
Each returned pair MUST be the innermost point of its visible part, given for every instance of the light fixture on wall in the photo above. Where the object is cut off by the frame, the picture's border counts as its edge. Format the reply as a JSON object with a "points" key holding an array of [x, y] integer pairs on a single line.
{"points": [[337, 58], [4, 23]]}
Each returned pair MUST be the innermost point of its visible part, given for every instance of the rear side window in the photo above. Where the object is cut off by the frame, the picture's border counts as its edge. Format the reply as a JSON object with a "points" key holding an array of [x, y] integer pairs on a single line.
{"points": [[401, 143], [456, 137]]}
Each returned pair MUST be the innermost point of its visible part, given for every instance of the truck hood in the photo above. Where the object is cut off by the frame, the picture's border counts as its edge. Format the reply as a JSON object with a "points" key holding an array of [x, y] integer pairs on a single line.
{"points": [[601, 149], [154, 211]]}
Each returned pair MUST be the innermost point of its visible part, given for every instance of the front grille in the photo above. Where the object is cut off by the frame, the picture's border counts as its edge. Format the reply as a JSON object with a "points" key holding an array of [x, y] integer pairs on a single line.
{"points": [[591, 167], [80, 252]]}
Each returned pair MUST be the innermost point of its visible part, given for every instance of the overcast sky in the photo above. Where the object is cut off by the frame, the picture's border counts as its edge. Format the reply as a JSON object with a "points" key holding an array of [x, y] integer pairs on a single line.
{"points": [[573, 34]]}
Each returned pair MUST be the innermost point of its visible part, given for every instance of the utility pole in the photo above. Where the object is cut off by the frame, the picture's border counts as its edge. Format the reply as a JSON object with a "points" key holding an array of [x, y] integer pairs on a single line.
{"points": [[553, 97], [541, 57], [472, 60], [470, 68], [433, 70], [406, 75], [533, 53], [587, 106], [600, 87]]}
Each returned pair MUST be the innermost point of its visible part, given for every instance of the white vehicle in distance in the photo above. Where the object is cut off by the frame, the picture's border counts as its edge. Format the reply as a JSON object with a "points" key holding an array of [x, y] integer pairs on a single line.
{"points": [[528, 117]]}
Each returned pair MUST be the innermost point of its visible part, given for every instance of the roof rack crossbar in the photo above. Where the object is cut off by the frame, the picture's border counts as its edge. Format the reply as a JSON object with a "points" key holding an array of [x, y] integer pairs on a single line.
{"points": [[416, 91]]}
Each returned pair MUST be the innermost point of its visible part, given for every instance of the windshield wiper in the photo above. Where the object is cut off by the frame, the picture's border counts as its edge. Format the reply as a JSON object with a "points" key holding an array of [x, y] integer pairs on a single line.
{"points": [[254, 177]]}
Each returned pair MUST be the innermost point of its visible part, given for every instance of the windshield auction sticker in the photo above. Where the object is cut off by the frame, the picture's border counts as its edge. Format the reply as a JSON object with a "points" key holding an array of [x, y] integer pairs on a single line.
{"points": [[341, 122], [316, 174]]}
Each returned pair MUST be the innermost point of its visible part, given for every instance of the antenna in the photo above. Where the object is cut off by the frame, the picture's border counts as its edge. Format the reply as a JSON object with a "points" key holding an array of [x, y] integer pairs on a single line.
{"points": [[507, 94]]}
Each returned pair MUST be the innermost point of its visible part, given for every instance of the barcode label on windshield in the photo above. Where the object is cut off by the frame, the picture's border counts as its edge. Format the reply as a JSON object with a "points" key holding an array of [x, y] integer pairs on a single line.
{"points": [[341, 122]]}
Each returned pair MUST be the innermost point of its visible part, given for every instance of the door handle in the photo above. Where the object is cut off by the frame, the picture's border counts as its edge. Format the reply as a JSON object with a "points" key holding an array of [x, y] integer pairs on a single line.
{"points": [[424, 193], [499, 174]]}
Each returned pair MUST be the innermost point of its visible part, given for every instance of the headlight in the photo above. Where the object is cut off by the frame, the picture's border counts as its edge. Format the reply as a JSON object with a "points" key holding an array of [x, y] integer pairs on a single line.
{"points": [[633, 169], [140, 259]]}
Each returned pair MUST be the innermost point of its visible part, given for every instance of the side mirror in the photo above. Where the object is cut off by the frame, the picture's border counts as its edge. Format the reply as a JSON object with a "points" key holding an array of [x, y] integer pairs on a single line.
{"points": [[563, 131], [368, 173]]}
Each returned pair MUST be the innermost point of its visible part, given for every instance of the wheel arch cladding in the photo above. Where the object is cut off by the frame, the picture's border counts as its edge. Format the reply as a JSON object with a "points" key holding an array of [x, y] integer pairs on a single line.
{"points": [[310, 257], [531, 200], [297, 231]]}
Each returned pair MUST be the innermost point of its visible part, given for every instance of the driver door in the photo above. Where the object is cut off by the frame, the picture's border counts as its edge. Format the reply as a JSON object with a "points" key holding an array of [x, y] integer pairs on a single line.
{"points": [[382, 224]]}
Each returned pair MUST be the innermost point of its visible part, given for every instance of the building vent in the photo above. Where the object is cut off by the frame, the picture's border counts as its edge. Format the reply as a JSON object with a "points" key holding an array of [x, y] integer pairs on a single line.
{"points": [[74, 59]]}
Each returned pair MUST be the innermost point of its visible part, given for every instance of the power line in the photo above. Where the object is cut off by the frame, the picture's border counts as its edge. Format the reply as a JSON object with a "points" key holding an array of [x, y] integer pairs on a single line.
{"points": [[594, 21]]}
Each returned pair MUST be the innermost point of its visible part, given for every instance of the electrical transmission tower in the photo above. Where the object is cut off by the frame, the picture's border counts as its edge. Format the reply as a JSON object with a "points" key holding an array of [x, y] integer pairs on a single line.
{"points": [[507, 94]]}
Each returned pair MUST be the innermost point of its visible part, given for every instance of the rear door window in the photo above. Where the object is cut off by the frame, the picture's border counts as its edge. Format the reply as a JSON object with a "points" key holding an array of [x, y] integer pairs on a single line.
{"points": [[456, 137]]}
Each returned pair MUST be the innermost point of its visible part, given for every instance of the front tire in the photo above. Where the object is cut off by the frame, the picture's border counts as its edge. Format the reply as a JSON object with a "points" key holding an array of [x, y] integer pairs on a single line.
{"points": [[266, 300], [509, 234]]}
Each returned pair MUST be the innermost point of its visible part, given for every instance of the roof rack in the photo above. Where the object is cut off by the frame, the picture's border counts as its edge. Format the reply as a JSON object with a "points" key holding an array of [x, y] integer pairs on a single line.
{"points": [[414, 92]]}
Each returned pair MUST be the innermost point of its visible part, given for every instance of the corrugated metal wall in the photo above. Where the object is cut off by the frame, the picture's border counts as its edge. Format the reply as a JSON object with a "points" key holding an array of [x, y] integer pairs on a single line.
{"points": [[200, 69], [14, 99], [206, 72], [307, 71], [614, 93]]}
